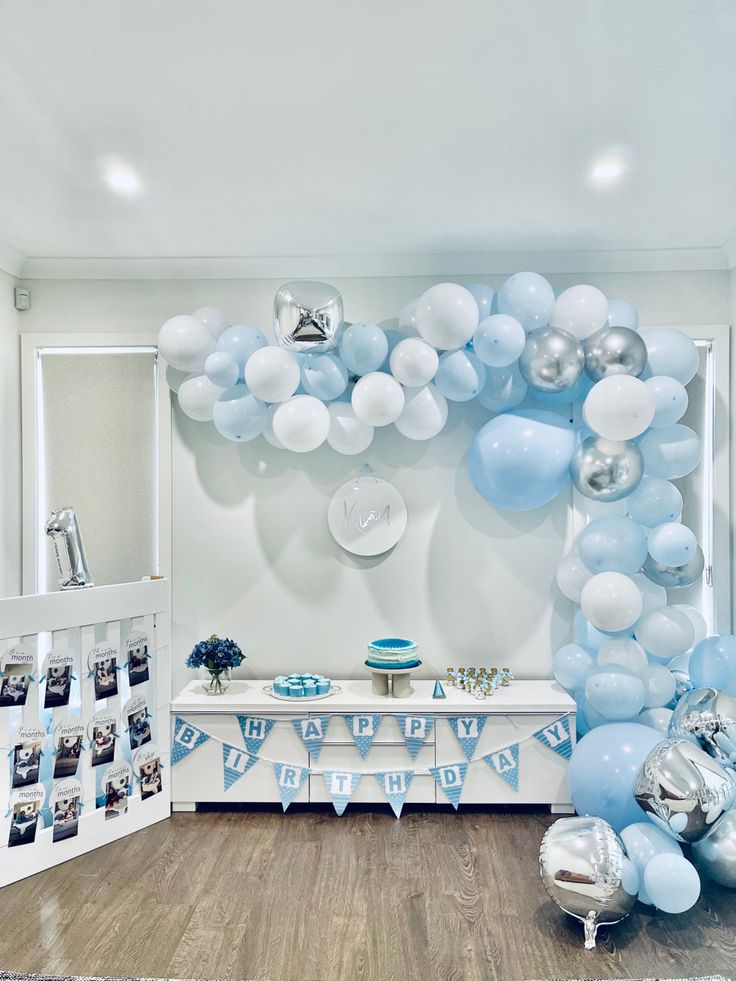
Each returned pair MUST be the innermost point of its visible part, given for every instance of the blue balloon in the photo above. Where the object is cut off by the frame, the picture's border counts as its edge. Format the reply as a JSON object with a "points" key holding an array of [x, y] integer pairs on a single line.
{"points": [[505, 389], [238, 415], [589, 636], [713, 663], [499, 340], [654, 502], [484, 297], [521, 460], [241, 341], [670, 400], [622, 314], [603, 770], [672, 543], [571, 666], [324, 376], [672, 883], [613, 543], [576, 393], [392, 339], [363, 348], [670, 352], [642, 841], [222, 369], [528, 297], [460, 376], [670, 452], [615, 692]]}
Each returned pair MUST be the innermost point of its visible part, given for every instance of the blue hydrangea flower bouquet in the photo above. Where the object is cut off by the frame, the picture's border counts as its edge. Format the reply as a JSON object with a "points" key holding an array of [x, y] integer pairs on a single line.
{"points": [[215, 658]]}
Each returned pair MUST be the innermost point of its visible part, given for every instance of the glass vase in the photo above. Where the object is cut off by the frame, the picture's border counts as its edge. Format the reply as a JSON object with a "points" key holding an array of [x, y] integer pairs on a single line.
{"points": [[215, 681]]}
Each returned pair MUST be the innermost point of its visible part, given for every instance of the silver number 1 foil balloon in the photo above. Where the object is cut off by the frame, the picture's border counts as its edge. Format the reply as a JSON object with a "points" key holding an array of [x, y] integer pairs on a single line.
{"points": [[675, 576], [707, 717], [614, 351], [581, 861], [606, 470], [63, 529], [307, 316], [552, 360], [683, 790]]}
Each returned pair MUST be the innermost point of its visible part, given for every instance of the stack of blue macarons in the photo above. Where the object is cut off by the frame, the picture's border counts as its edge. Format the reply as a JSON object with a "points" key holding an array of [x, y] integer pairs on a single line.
{"points": [[301, 685]]}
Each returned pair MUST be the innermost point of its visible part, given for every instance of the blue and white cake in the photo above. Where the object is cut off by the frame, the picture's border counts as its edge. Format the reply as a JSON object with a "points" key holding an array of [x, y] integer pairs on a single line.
{"points": [[392, 653], [301, 685]]}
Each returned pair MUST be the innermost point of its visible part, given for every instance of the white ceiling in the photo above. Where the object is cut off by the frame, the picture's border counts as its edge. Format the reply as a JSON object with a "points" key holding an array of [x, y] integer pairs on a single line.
{"points": [[364, 129]]}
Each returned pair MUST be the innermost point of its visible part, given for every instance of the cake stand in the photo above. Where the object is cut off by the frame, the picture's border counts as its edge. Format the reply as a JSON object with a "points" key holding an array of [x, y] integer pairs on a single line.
{"points": [[400, 679]]}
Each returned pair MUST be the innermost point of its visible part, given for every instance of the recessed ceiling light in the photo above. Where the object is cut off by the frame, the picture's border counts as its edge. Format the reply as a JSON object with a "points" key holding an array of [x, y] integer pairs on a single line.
{"points": [[607, 171], [122, 179]]}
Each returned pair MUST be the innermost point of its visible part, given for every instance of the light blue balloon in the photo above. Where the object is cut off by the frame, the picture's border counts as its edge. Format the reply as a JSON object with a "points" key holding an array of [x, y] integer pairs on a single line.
{"points": [[505, 389], [499, 340], [528, 297], [460, 376], [613, 543], [643, 841], [622, 314], [484, 297], [670, 352], [670, 400], [589, 636], [363, 348], [670, 452], [222, 369], [238, 415], [576, 393], [672, 883], [324, 376], [581, 726], [392, 339], [630, 879], [713, 663], [654, 501], [615, 692], [672, 543], [571, 666], [241, 341], [521, 460], [603, 770]]}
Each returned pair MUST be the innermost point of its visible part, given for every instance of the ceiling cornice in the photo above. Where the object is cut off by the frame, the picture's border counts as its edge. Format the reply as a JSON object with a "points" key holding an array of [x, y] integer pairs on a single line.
{"points": [[11, 262], [729, 250]]}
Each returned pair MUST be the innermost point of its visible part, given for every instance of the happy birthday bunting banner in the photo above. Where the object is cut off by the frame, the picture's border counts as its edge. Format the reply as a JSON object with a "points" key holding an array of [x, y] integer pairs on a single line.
{"points": [[341, 786], [467, 729], [395, 785], [187, 738], [556, 736], [289, 779], [363, 729], [505, 762], [235, 762], [255, 731], [450, 779], [415, 729], [312, 732]]}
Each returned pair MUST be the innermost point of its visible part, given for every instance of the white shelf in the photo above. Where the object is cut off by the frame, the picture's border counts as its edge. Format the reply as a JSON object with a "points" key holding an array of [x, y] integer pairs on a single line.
{"points": [[519, 698]]}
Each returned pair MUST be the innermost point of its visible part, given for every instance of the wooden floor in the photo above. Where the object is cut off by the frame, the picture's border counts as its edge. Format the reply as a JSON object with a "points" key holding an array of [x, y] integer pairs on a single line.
{"points": [[307, 895]]}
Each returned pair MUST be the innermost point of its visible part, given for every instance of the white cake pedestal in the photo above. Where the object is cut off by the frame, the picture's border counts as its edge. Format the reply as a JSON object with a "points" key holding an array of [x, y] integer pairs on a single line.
{"points": [[400, 680]]}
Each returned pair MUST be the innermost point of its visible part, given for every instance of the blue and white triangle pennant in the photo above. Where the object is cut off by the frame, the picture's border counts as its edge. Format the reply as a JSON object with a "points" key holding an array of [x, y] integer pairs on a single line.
{"points": [[450, 779], [467, 729], [505, 762], [312, 732], [255, 731], [363, 729], [415, 729], [395, 785], [341, 786], [235, 762], [556, 736], [186, 739], [289, 779]]}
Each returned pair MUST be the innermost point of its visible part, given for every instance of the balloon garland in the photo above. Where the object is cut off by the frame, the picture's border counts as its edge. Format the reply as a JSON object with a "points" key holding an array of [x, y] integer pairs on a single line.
{"points": [[526, 355]]}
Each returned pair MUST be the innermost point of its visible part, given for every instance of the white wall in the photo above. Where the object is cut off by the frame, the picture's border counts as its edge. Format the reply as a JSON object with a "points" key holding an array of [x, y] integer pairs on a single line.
{"points": [[10, 548], [252, 555]]}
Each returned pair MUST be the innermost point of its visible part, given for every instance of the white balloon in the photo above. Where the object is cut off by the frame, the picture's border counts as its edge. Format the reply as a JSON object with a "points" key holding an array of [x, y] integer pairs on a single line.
{"points": [[611, 601], [447, 315], [572, 575], [301, 424], [654, 596], [696, 618], [175, 378], [659, 686], [624, 651], [378, 398], [619, 407], [347, 434], [424, 413], [657, 718], [414, 362], [197, 397], [581, 310], [215, 319], [272, 374], [268, 433], [185, 342], [665, 633], [408, 318]]}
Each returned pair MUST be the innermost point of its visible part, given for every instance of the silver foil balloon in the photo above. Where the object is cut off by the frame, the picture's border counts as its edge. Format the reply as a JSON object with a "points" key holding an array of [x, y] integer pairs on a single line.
{"points": [[715, 856], [683, 682], [605, 470], [675, 576], [307, 316], [63, 529], [707, 717], [552, 360], [581, 862], [614, 351], [683, 790]]}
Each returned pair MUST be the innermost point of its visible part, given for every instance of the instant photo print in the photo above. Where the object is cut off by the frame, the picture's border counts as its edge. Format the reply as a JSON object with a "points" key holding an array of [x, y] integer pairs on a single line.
{"points": [[26, 764], [58, 685], [24, 822], [14, 685], [138, 657], [103, 743]]}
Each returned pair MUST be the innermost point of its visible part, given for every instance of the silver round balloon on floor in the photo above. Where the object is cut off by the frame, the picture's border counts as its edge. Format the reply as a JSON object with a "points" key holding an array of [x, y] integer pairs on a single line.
{"points": [[614, 351], [606, 470], [552, 360], [707, 717]]}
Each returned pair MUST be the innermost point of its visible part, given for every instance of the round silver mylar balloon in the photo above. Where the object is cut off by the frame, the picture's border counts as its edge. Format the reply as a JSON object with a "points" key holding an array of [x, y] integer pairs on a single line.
{"points": [[604, 470], [552, 360], [683, 790], [614, 351], [581, 862], [715, 856], [307, 316], [675, 576], [683, 684], [707, 717]]}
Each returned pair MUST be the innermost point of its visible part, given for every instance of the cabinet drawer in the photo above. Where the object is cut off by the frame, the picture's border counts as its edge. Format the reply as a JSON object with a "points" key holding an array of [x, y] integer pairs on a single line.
{"points": [[388, 732], [421, 791]]}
